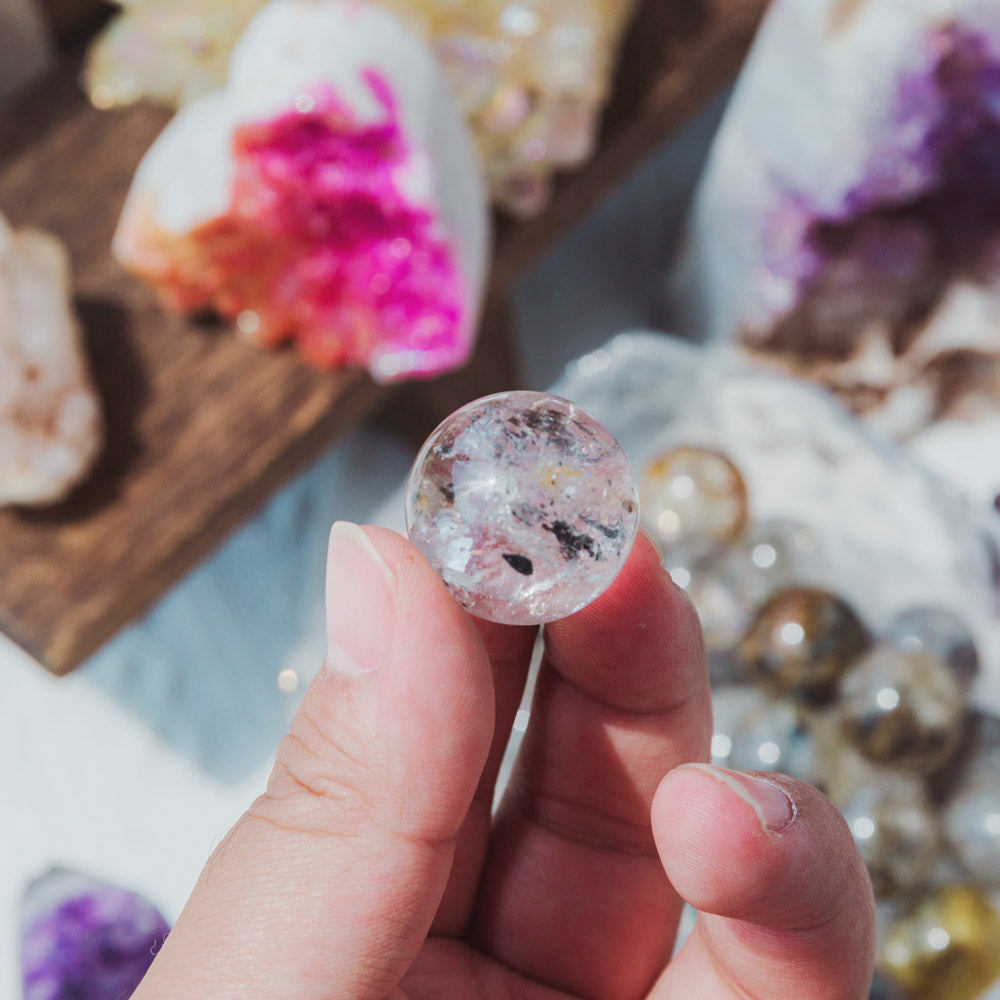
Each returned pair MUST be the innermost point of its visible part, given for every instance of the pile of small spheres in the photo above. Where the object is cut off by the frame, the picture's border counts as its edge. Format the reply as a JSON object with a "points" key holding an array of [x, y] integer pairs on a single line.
{"points": [[880, 722]]}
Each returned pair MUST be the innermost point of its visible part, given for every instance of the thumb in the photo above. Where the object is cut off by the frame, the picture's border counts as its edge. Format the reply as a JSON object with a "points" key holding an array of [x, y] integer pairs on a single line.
{"points": [[327, 886], [787, 906]]}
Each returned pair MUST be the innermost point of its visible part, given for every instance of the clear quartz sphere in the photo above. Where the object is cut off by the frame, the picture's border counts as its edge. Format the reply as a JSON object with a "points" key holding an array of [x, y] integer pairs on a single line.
{"points": [[730, 588], [693, 496], [895, 828], [972, 826], [775, 737], [939, 633], [902, 710], [525, 505]]}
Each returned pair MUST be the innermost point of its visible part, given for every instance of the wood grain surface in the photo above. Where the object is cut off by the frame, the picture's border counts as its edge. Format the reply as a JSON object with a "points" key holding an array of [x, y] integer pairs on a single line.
{"points": [[201, 428]]}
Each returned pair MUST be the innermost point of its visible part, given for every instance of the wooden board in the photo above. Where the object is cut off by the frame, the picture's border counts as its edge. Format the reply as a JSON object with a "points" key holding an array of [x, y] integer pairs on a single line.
{"points": [[201, 428]]}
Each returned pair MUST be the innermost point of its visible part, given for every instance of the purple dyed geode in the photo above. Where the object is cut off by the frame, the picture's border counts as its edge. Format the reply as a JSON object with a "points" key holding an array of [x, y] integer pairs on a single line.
{"points": [[86, 940]]}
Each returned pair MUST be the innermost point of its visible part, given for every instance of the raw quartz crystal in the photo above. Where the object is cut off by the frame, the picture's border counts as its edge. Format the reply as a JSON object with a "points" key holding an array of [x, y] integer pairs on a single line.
{"points": [[848, 224], [530, 76], [168, 51], [328, 195], [525, 505], [84, 939], [51, 427]]}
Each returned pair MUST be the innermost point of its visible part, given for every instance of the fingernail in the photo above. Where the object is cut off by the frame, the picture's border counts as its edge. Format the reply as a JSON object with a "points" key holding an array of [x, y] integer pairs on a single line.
{"points": [[774, 807], [360, 601]]}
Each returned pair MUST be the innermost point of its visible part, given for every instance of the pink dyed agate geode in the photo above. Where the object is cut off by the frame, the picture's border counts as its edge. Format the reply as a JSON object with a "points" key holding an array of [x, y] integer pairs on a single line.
{"points": [[308, 200]]}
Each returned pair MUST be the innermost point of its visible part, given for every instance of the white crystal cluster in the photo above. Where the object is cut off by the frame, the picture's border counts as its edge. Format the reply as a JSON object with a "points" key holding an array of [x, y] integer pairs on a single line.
{"points": [[50, 419]]}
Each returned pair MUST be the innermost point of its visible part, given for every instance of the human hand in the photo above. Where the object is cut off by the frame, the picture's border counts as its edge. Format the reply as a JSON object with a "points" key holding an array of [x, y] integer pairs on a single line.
{"points": [[370, 868]]}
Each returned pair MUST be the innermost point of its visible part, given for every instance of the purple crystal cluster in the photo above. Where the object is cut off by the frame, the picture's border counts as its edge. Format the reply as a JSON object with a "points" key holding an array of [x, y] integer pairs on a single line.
{"points": [[86, 940], [928, 211]]}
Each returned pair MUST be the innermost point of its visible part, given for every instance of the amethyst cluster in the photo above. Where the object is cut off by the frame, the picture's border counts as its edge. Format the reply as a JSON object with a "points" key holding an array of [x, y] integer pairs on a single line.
{"points": [[86, 940], [927, 213], [847, 227]]}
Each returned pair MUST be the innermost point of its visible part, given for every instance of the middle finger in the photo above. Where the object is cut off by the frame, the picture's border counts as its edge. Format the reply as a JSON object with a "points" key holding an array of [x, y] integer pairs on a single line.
{"points": [[573, 893]]}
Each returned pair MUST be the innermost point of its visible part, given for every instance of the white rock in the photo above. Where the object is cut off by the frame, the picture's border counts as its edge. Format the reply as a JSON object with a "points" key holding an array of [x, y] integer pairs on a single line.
{"points": [[50, 419]]}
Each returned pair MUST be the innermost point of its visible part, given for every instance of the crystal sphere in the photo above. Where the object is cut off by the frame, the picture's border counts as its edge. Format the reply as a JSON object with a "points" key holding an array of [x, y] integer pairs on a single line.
{"points": [[979, 752], [938, 633], [727, 590], [801, 642], [971, 821], [770, 555], [731, 703], [524, 504], [902, 710], [883, 988], [896, 831], [693, 496], [946, 946], [775, 737]]}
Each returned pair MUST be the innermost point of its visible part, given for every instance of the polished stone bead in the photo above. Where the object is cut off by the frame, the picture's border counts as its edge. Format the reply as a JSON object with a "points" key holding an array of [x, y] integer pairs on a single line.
{"points": [[801, 642], [896, 830], [775, 551], [525, 505], [938, 633], [902, 710], [945, 947], [695, 497]]}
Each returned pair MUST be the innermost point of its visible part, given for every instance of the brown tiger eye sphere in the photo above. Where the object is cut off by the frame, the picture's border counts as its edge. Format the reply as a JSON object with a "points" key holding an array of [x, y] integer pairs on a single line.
{"points": [[801, 642]]}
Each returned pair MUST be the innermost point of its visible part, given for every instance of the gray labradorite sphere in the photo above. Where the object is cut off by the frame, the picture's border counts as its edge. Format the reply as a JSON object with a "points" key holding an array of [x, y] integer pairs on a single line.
{"points": [[525, 505]]}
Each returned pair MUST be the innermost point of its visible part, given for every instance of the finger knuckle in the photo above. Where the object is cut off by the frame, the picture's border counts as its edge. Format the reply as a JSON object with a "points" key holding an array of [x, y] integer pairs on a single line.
{"points": [[318, 783]]}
